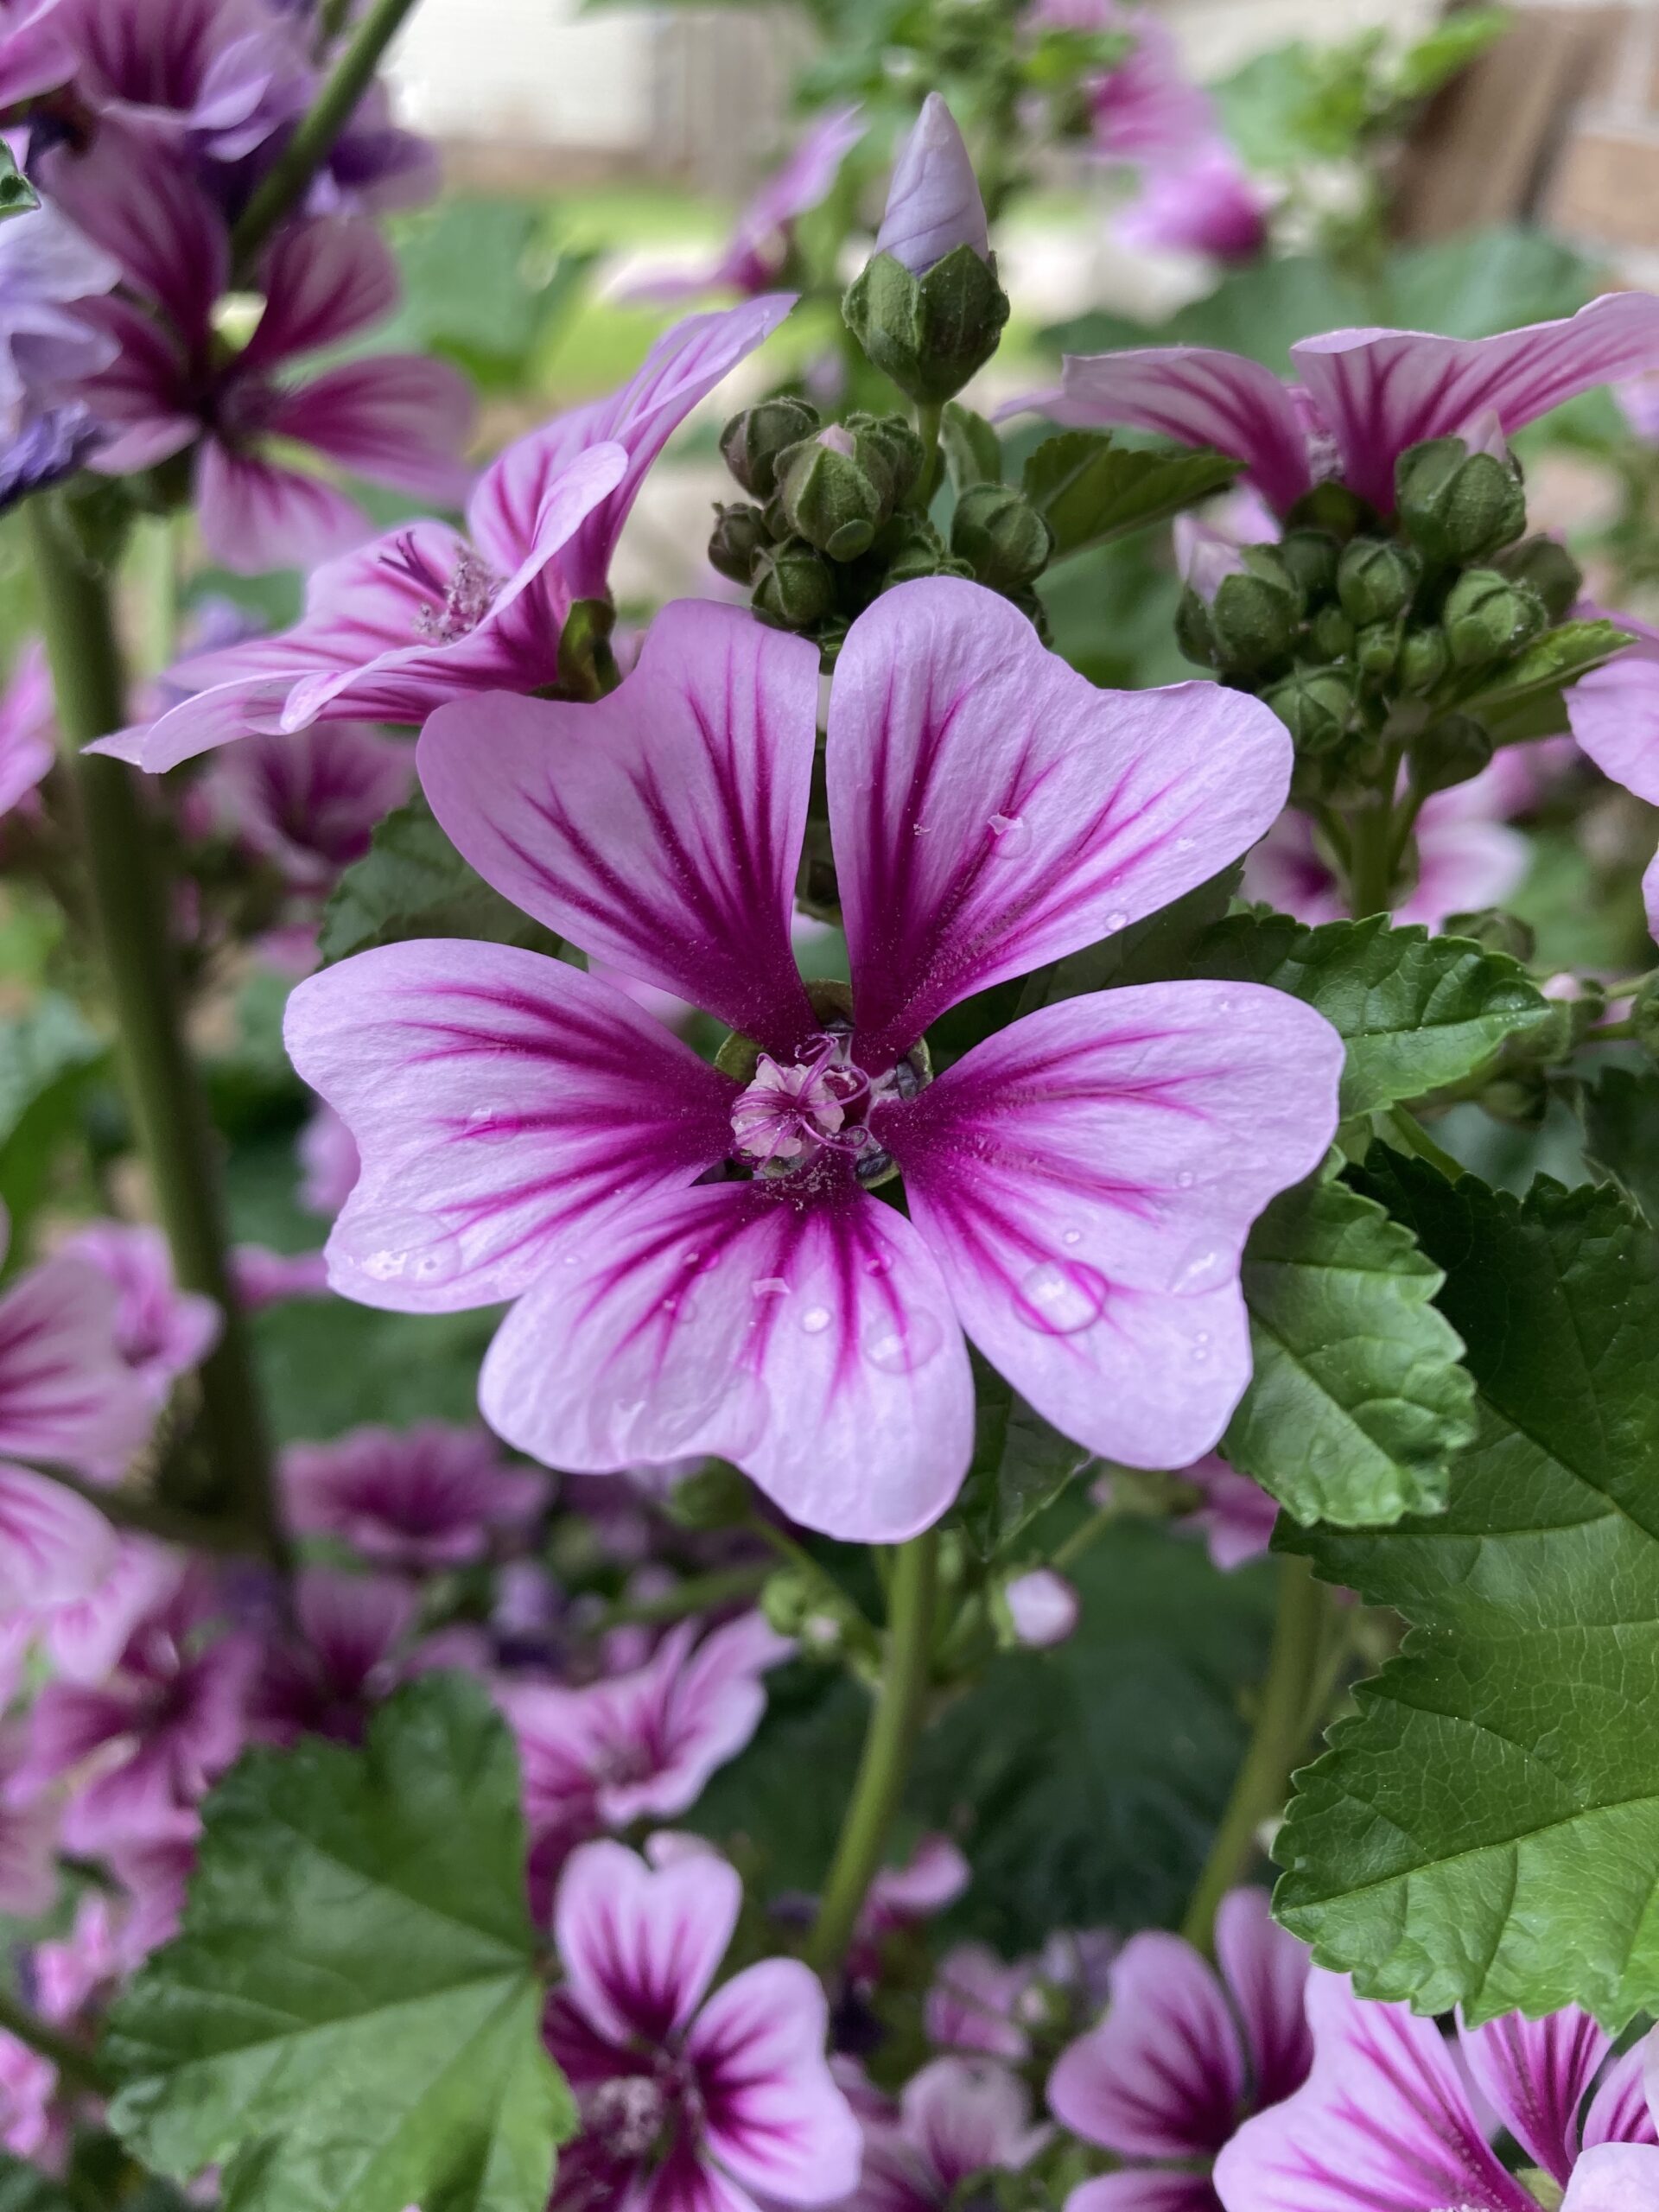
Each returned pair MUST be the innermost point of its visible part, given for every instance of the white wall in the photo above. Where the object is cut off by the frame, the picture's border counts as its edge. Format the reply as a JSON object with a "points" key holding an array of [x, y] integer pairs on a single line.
{"points": [[527, 71]]}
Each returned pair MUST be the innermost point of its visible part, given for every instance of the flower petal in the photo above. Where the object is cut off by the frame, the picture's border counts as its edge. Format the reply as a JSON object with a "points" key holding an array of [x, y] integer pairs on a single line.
{"points": [[969, 2115], [640, 1944], [1146, 2189], [1617, 2178], [1163, 2075], [1614, 714], [255, 515], [660, 828], [1535, 2073], [1199, 396], [136, 199], [55, 1547], [933, 202], [776, 2120], [812, 1341], [1086, 1179], [66, 1393], [322, 280], [1265, 1973], [1379, 391], [1381, 2125], [394, 418], [496, 1097], [1620, 2111], [992, 810]]}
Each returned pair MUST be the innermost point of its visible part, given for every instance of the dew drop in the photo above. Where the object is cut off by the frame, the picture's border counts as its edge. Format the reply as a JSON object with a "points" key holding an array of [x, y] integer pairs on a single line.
{"points": [[769, 1287], [900, 1344], [690, 1259], [1012, 832], [879, 1263], [1116, 920], [491, 1121], [1201, 1347], [1185, 844], [815, 1320], [1185, 1179], [406, 1248], [1059, 1297], [1197, 1268], [1070, 1236]]}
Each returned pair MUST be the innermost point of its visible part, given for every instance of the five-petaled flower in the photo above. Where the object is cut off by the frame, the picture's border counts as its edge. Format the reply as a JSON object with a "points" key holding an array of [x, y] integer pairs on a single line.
{"points": [[701, 1260]]}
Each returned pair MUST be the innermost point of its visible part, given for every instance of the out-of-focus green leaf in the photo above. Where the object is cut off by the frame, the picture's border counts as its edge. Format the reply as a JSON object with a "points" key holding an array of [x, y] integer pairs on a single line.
{"points": [[973, 452], [1621, 1132], [18, 194], [1094, 490], [412, 882], [1021, 1465]]}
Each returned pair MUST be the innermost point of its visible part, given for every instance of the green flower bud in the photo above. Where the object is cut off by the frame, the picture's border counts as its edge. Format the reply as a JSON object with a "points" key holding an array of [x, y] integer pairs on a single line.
{"points": [[930, 334], [835, 492], [1332, 634], [1487, 618], [1311, 557], [1491, 926], [752, 442], [1376, 649], [1330, 507], [900, 446], [1424, 660], [1451, 751], [1520, 1097], [1314, 705], [1545, 563], [740, 532], [793, 585], [717, 1497], [1241, 607], [909, 549], [1003, 538], [1456, 506], [1377, 579]]}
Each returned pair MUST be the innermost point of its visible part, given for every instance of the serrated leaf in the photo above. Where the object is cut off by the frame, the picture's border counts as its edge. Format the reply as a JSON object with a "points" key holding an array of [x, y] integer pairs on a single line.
{"points": [[1093, 490], [1357, 1404], [1559, 658], [1485, 1831], [412, 882], [973, 452], [1019, 1466], [350, 2020], [1621, 1132], [1416, 1013]]}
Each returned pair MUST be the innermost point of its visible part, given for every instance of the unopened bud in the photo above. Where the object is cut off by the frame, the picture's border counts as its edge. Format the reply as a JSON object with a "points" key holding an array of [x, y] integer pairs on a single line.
{"points": [[1038, 1609], [1451, 751], [1315, 705], [1332, 634], [1376, 649], [1521, 1098], [909, 548], [734, 544], [1645, 1018], [1311, 555], [1333, 507], [753, 440], [793, 585], [1424, 659], [934, 206], [1456, 504], [1001, 537], [1498, 931], [1377, 579], [835, 492], [1487, 618], [900, 444], [1544, 563]]}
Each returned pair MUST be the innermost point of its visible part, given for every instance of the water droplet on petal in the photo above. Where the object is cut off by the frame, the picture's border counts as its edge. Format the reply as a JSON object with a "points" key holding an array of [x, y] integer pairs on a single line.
{"points": [[769, 1287], [1012, 832], [1070, 1236], [1185, 844], [1201, 1347], [690, 1259], [1198, 1267], [815, 1320], [879, 1263], [408, 1247], [1116, 920], [899, 1344], [1185, 1179], [1059, 1297]]}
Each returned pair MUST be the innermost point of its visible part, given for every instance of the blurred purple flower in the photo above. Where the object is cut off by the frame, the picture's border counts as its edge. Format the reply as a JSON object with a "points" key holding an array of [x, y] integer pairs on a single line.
{"points": [[933, 202], [958, 2119], [27, 724], [1205, 205], [28, 2084], [160, 1331], [527, 1133], [414, 1500], [352, 1641], [328, 1162], [309, 801], [1236, 1516], [1613, 714], [977, 2003], [934, 1875], [261, 1277], [1042, 1607]]}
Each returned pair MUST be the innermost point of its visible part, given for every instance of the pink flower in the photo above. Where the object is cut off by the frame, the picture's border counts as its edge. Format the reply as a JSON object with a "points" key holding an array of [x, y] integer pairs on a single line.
{"points": [[934, 1875], [84, 1637], [1042, 1607], [641, 1746], [309, 802], [1614, 714], [958, 2118], [66, 1392], [140, 1750], [28, 2083], [1181, 2055], [353, 1640], [260, 1277], [933, 202], [396, 419], [1362, 398], [977, 2001], [1147, 109], [757, 254], [28, 1837], [28, 721], [1236, 1516], [1205, 205], [413, 1499], [1079, 1186], [328, 1162], [426, 614], [47, 271], [689, 2102], [160, 1331], [1385, 2122]]}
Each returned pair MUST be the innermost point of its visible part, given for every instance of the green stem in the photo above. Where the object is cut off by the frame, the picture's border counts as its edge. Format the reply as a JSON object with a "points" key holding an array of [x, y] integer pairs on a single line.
{"points": [[1611, 1033], [1415, 1140], [153, 1517], [171, 1121], [1282, 1723], [930, 414], [1087, 1533], [699, 1593], [1371, 868], [75, 2064], [306, 151], [894, 1726]]}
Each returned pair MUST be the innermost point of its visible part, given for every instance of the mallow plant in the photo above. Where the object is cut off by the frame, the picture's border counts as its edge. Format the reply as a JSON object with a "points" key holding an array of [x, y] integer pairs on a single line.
{"points": [[915, 1370]]}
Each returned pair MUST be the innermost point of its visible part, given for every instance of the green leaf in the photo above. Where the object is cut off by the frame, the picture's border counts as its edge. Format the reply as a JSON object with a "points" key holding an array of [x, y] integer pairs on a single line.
{"points": [[352, 2012], [1415, 1012], [1485, 1830], [50, 1059], [1357, 1404], [24, 2187], [1621, 1132], [1261, 311], [1019, 1466], [973, 452], [1435, 59], [1560, 657], [412, 882], [1094, 490], [1482, 283], [18, 194]]}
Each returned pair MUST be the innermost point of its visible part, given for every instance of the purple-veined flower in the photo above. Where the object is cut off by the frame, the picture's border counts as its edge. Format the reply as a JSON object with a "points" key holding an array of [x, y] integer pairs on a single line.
{"points": [[957, 2119], [28, 722], [1385, 2122], [84, 1637], [1614, 713], [933, 203], [1183, 2053], [160, 1331], [308, 803], [1234, 1514], [934, 1875], [427, 614], [978, 2003], [1146, 110], [643, 1745], [398, 419], [352, 1638], [689, 2102], [756, 256], [414, 1499], [699, 1262], [1206, 205], [1361, 398], [47, 269], [28, 1835]]}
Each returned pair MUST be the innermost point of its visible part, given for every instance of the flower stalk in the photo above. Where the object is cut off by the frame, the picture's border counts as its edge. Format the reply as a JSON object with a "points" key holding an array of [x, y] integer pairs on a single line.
{"points": [[171, 1119]]}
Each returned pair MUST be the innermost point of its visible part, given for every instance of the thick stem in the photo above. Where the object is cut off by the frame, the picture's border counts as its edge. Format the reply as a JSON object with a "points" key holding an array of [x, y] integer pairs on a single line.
{"points": [[1282, 1723], [699, 1593], [174, 1128], [76, 2065], [306, 151], [1370, 864], [153, 1517], [893, 1730]]}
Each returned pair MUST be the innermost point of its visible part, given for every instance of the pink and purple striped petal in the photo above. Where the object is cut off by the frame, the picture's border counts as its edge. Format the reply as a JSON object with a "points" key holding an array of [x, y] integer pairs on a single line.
{"points": [[323, 281], [1265, 1973], [1535, 2073], [65, 1393], [773, 2118], [257, 515], [1145, 2188], [660, 828], [498, 1100], [1618, 2177], [992, 810], [398, 419], [1163, 2075], [55, 1547], [144, 205], [1085, 1179], [639, 1945]]}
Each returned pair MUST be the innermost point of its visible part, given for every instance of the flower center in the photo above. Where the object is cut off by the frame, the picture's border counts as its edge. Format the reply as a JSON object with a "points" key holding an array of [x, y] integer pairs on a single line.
{"points": [[451, 607], [635, 2117], [792, 1113]]}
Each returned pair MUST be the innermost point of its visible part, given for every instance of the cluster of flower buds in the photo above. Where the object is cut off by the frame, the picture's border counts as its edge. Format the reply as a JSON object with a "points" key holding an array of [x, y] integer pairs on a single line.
{"points": [[1364, 633]]}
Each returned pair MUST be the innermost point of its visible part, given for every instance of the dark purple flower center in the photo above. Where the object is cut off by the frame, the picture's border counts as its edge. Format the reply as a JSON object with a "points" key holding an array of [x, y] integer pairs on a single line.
{"points": [[792, 1113], [453, 606], [637, 2118]]}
